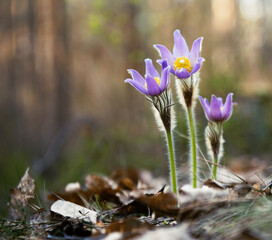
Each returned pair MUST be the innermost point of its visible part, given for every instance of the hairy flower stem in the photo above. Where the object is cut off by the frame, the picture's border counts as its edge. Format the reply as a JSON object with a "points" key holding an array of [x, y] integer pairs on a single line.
{"points": [[172, 161], [193, 144], [164, 116], [214, 143], [215, 161]]}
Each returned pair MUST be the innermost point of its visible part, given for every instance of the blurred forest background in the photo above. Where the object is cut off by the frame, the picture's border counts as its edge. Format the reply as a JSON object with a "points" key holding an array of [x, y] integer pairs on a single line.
{"points": [[65, 110]]}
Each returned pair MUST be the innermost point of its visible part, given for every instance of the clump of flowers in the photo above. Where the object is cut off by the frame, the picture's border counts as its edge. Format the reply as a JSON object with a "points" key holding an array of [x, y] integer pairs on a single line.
{"points": [[185, 65], [216, 113]]}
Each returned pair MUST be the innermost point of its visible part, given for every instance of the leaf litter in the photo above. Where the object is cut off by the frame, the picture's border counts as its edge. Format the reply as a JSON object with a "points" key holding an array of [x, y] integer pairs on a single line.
{"points": [[125, 205]]}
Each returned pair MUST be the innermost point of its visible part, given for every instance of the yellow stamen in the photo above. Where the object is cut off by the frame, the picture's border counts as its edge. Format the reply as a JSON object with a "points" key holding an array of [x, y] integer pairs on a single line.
{"points": [[221, 108], [183, 62], [157, 80]]}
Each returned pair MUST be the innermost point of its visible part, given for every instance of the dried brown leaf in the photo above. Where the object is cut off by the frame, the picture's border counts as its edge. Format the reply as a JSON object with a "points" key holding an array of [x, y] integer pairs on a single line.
{"points": [[130, 226], [97, 185], [217, 185], [131, 173], [126, 184], [242, 189], [79, 197], [134, 206], [21, 195], [162, 204]]}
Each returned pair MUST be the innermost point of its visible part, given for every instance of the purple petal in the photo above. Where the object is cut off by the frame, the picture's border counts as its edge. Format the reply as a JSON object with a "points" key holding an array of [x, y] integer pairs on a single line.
{"points": [[195, 51], [165, 78], [136, 76], [220, 101], [180, 46], [152, 86], [164, 64], [197, 65], [206, 107], [183, 73], [137, 85], [207, 102], [165, 53], [150, 69], [172, 71], [227, 109], [215, 109]]}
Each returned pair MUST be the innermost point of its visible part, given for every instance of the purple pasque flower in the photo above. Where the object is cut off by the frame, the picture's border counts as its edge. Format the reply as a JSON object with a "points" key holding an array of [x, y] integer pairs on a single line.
{"points": [[216, 111], [183, 63], [153, 84]]}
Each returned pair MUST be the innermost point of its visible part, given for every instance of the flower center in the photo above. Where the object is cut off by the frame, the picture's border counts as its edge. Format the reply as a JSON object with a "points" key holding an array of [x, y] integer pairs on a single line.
{"points": [[157, 80], [183, 62]]}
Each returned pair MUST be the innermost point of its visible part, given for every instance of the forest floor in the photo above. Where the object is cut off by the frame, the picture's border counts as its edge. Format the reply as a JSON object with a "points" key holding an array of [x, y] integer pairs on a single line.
{"points": [[130, 204]]}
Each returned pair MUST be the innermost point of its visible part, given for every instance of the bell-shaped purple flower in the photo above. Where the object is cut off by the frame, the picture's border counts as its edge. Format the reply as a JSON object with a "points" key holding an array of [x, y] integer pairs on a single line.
{"points": [[153, 84], [182, 62], [216, 111]]}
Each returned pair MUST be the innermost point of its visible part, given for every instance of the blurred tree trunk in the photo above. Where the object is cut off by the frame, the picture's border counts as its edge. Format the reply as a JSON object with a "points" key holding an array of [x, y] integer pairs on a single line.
{"points": [[13, 68], [62, 62], [35, 71]]}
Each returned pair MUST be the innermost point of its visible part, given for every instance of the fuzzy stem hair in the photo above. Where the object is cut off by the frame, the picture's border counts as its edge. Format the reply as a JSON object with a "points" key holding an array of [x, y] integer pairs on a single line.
{"points": [[214, 144]]}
